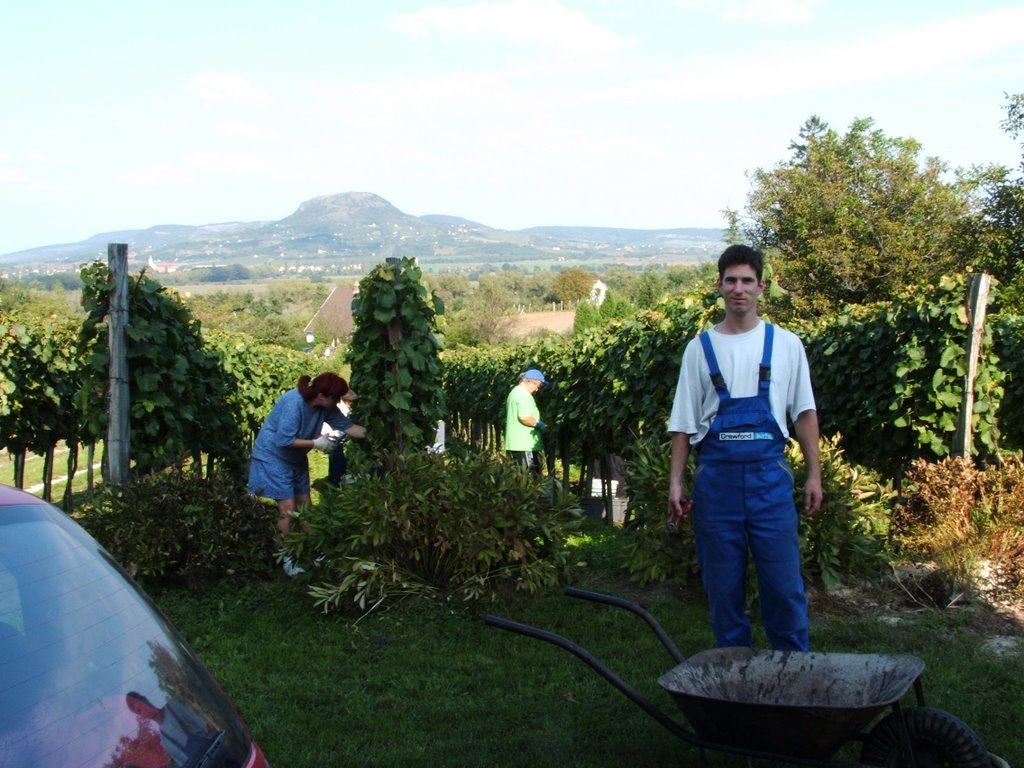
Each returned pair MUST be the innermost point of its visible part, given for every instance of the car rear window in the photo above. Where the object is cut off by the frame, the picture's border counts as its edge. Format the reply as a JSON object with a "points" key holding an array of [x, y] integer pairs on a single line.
{"points": [[91, 674]]}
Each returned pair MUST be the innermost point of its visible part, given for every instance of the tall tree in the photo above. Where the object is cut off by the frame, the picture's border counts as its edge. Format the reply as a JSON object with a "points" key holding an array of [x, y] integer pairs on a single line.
{"points": [[572, 284], [855, 217], [998, 230], [486, 317], [587, 316], [651, 288]]}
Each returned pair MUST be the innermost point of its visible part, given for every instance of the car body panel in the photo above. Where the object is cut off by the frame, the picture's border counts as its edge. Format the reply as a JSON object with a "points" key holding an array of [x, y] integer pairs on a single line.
{"points": [[92, 674]]}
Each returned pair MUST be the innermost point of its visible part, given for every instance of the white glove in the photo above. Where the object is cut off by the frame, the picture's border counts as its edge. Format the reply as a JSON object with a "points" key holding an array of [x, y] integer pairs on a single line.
{"points": [[325, 444]]}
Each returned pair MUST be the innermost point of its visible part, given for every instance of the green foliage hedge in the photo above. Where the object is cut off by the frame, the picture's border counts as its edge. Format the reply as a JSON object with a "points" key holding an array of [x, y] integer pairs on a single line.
{"points": [[889, 377], [846, 541], [193, 394], [394, 358], [1008, 336], [427, 524], [39, 376], [180, 526]]}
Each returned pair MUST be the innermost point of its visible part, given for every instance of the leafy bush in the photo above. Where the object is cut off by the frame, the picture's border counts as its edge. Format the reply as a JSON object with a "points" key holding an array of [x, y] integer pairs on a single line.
{"points": [[427, 524], [1008, 333], [846, 539], [394, 357], [38, 378], [177, 388], [959, 515], [178, 525], [908, 360], [653, 554]]}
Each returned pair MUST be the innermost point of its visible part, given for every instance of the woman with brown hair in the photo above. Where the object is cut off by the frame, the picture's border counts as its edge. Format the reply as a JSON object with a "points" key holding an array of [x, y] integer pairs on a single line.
{"points": [[279, 466]]}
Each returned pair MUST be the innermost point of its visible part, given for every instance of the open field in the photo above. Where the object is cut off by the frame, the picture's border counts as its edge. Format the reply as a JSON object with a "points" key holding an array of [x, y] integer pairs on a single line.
{"points": [[527, 322]]}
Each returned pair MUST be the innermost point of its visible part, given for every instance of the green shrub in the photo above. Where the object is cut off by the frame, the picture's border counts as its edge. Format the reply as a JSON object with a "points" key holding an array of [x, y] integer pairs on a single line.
{"points": [[429, 524], [178, 525], [1008, 335], [846, 539], [653, 554]]}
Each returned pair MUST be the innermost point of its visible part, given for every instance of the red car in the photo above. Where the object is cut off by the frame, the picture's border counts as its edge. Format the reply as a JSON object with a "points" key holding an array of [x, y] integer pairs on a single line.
{"points": [[92, 674]]}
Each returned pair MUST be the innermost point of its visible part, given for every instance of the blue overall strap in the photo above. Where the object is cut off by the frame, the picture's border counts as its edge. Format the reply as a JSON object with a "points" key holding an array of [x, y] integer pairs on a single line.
{"points": [[764, 377], [716, 374]]}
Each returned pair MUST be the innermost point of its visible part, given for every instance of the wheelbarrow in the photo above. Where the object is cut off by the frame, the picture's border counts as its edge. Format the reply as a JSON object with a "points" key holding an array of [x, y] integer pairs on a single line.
{"points": [[794, 707]]}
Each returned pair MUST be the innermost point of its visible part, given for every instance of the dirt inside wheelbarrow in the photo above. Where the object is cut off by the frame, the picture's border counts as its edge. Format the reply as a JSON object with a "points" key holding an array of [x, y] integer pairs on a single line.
{"points": [[798, 704]]}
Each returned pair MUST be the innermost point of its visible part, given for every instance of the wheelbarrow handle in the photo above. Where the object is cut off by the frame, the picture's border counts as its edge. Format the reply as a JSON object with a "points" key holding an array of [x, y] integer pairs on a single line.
{"points": [[639, 610], [594, 663]]}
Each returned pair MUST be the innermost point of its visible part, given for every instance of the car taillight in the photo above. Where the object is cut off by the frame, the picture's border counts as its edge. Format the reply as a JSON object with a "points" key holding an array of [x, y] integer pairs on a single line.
{"points": [[256, 758]]}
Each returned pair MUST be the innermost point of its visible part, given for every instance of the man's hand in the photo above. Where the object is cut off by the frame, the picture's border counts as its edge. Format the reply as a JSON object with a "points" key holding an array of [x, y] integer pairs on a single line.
{"points": [[813, 496], [678, 506], [807, 434]]}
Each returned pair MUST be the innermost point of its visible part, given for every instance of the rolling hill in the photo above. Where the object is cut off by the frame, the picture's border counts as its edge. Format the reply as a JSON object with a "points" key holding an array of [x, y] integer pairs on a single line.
{"points": [[354, 228]]}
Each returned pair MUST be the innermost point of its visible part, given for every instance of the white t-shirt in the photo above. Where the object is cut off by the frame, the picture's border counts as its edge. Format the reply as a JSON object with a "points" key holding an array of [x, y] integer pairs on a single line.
{"points": [[326, 429], [739, 359]]}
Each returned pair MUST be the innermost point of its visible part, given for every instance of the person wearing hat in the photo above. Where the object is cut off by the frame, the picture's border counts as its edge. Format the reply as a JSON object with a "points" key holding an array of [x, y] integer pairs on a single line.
{"points": [[523, 425]]}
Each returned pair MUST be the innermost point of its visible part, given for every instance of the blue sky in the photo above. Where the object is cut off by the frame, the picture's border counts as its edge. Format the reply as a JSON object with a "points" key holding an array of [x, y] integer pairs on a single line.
{"points": [[513, 113]]}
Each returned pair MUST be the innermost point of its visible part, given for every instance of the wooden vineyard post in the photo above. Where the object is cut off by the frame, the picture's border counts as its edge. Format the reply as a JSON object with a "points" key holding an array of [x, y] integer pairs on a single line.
{"points": [[977, 301], [119, 402], [394, 339]]}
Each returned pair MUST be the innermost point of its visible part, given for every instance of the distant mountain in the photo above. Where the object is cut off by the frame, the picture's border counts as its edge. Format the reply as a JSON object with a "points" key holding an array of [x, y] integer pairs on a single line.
{"points": [[624, 236], [357, 227], [352, 209]]}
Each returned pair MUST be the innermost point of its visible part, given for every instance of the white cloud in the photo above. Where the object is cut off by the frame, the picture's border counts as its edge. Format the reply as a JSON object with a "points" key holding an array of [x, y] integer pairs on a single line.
{"points": [[231, 89], [399, 103], [249, 131], [12, 175], [228, 163], [155, 175], [193, 167], [778, 12], [543, 23], [883, 57], [773, 11], [898, 53], [541, 138]]}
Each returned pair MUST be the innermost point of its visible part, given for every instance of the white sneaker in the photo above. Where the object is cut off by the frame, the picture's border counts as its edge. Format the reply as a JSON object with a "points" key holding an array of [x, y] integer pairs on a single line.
{"points": [[291, 568]]}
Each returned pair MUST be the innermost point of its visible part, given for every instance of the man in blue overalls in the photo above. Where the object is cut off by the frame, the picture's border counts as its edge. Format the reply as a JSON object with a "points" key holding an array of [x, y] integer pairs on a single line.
{"points": [[737, 384]]}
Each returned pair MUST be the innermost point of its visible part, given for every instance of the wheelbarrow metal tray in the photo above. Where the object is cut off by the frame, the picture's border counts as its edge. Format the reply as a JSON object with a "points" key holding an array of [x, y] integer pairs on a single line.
{"points": [[806, 705]]}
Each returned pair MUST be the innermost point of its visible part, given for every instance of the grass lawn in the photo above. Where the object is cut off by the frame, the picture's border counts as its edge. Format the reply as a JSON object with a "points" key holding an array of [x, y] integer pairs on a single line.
{"points": [[427, 683], [34, 464]]}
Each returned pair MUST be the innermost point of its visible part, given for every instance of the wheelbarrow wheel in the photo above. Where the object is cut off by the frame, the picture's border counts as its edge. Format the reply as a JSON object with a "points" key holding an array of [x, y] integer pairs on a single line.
{"points": [[939, 740]]}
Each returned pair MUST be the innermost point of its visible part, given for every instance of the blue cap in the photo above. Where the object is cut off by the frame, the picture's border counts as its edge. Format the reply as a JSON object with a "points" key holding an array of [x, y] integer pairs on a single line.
{"points": [[535, 375]]}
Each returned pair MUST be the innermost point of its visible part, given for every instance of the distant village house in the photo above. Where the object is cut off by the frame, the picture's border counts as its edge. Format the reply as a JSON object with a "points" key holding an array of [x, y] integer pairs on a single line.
{"points": [[332, 322]]}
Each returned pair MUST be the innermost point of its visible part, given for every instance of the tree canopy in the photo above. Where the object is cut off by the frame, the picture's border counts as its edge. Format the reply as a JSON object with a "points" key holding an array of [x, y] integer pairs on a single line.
{"points": [[573, 284], [999, 226], [855, 217]]}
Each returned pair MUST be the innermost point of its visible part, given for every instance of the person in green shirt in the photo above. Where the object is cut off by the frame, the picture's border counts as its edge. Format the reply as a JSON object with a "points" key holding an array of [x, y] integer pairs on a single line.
{"points": [[523, 425]]}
